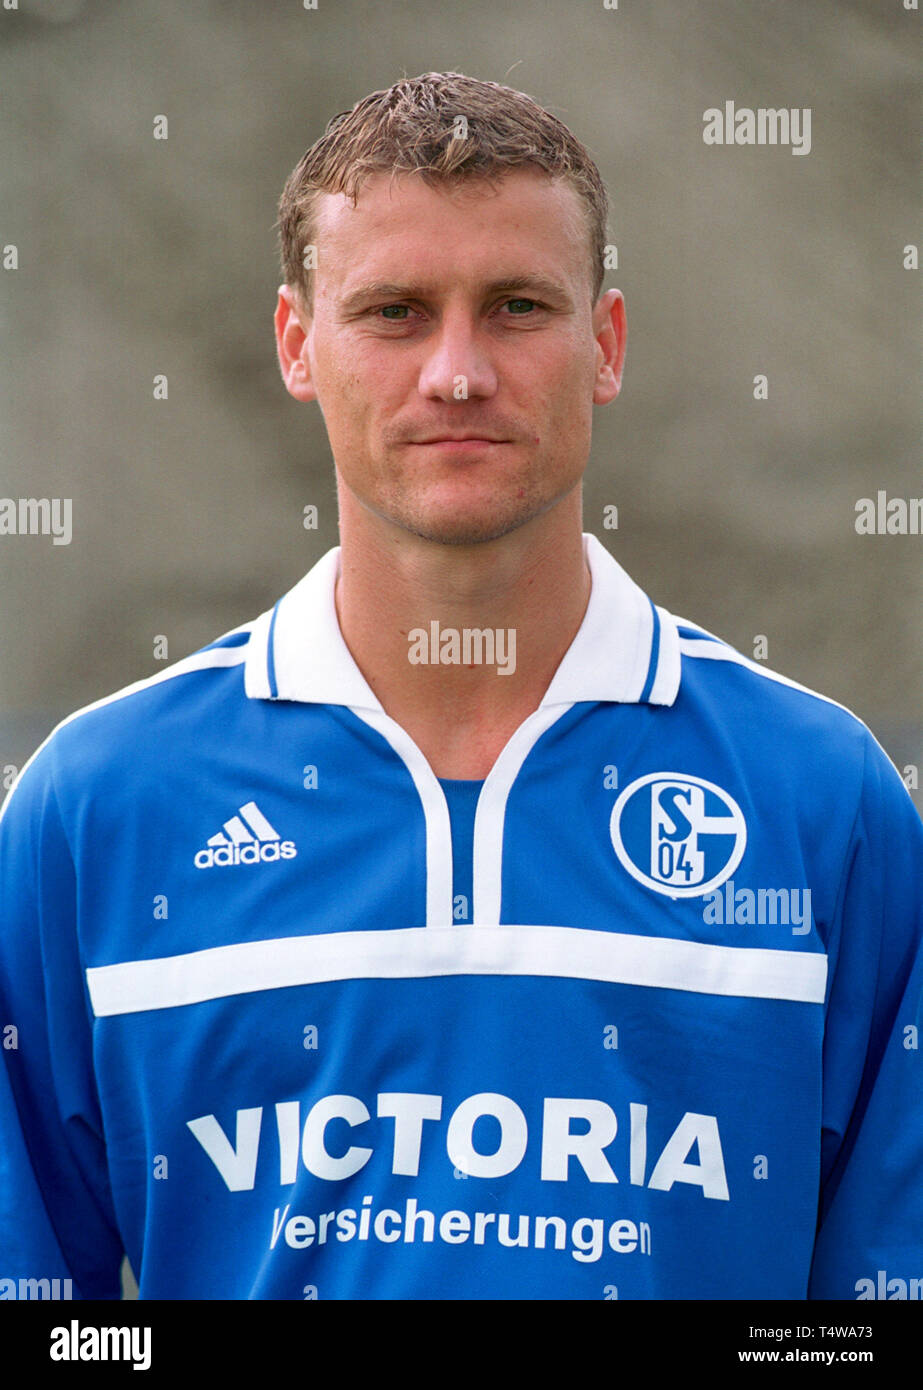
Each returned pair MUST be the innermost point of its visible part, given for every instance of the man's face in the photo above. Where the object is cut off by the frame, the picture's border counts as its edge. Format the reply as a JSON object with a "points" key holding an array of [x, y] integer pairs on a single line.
{"points": [[450, 312]]}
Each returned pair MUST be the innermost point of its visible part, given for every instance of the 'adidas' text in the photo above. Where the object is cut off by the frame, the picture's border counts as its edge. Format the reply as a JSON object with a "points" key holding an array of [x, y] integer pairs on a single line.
{"points": [[247, 838], [245, 854]]}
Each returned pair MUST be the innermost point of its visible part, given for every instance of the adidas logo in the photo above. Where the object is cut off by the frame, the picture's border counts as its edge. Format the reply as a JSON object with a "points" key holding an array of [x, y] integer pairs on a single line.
{"points": [[246, 838]]}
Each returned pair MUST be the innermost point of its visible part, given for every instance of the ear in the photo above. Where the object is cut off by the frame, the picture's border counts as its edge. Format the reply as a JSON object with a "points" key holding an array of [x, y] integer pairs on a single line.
{"points": [[292, 325], [610, 330]]}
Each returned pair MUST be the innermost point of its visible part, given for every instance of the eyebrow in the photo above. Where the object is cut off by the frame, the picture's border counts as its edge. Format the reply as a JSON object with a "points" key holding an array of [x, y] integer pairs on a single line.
{"points": [[546, 288]]}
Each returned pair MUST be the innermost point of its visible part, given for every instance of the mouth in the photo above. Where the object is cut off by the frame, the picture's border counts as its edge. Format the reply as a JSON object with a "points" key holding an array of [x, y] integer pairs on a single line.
{"points": [[468, 444]]}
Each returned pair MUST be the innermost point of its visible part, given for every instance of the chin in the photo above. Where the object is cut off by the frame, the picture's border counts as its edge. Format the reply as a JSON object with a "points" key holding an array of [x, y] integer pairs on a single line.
{"points": [[467, 530]]}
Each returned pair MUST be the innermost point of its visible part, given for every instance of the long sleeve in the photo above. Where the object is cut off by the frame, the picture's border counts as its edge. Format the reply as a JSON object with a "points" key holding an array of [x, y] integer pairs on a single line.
{"points": [[56, 1213], [870, 1234]]}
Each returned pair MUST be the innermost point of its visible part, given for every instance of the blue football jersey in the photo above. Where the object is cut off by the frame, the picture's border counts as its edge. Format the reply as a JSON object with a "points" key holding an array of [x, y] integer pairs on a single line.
{"points": [[285, 1016]]}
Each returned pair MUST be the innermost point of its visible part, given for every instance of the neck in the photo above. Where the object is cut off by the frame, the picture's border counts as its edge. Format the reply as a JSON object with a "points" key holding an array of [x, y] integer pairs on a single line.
{"points": [[460, 642]]}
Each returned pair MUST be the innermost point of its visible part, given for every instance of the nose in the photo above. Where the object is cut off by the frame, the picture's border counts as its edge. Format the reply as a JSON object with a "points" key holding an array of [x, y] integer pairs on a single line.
{"points": [[457, 364]]}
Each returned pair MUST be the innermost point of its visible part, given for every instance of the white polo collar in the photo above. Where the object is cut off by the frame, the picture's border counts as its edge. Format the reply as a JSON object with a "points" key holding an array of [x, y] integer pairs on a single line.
{"points": [[625, 650]]}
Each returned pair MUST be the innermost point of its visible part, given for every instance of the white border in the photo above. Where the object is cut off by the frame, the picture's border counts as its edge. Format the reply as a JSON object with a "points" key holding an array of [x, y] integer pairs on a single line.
{"points": [[573, 953]]}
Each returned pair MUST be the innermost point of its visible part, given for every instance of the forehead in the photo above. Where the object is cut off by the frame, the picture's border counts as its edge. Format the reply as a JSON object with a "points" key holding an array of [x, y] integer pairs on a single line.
{"points": [[400, 223]]}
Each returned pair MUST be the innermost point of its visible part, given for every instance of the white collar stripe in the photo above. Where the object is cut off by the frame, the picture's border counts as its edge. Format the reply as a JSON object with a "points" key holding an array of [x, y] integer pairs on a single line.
{"points": [[439, 867], [490, 818], [270, 655], [669, 662], [653, 662]]}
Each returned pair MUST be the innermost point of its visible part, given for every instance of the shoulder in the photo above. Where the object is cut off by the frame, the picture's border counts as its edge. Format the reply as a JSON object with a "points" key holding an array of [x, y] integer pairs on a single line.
{"points": [[796, 735], [179, 702], [750, 687]]}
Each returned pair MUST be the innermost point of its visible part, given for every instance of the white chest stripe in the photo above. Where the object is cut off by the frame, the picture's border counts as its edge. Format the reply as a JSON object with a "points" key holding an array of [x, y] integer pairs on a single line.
{"points": [[419, 953]]}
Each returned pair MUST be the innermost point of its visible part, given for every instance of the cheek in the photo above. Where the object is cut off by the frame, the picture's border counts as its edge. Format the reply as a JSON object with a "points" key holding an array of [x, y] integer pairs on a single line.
{"points": [[360, 388], [571, 369], [340, 396], [333, 370], [568, 409]]}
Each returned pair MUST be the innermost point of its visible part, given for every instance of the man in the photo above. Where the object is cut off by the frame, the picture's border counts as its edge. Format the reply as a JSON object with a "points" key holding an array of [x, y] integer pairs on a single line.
{"points": [[467, 926]]}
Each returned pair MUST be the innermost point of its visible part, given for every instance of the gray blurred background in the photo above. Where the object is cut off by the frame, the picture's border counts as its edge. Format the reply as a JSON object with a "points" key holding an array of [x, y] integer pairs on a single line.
{"points": [[140, 256]]}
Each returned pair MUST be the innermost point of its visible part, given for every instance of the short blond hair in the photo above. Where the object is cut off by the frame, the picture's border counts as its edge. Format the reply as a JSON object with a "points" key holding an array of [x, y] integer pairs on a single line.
{"points": [[410, 127]]}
